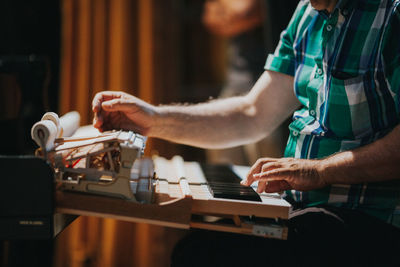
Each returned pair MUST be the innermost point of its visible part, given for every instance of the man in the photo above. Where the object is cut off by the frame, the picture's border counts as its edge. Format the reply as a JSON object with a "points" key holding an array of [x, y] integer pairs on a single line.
{"points": [[341, 168]]}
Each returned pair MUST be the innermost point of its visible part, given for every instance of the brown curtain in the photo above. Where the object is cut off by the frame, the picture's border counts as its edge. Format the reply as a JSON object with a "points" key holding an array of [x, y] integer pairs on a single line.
{"points": [[99, 44], [112, 45]]}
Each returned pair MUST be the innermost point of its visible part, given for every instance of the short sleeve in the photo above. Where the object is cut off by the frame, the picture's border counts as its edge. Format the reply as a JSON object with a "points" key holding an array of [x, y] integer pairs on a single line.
{"points": [[283, 60]]}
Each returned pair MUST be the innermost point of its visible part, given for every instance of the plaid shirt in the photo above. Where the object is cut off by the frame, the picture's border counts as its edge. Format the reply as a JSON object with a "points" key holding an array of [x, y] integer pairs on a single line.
{"points": [[346, 67]]}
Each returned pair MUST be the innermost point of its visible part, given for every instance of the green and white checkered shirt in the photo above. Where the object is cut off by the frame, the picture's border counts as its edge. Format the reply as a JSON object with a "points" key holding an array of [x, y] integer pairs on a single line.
{"points": [[347, 77]]}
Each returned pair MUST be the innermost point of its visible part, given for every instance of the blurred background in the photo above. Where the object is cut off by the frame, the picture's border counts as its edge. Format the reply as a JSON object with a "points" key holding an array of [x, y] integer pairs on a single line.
{"points": [[55, 55]]}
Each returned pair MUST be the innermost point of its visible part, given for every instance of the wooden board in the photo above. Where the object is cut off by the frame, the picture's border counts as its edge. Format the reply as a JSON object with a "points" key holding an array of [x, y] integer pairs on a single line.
{"points": [[174, 213], [269, 208]]}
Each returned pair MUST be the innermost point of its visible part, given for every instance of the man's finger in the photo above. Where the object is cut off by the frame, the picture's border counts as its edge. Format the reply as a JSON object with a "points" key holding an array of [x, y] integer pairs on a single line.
{"points": [[249, 177], [101, 97], [272, 175], [115, 105], [256, 168], [96, 103], [270, 166], [261, 186], [97, 120], [246, 182]]}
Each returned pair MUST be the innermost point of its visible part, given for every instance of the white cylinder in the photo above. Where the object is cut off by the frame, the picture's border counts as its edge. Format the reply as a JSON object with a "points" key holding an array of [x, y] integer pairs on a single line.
{"points": [[70, 123]]}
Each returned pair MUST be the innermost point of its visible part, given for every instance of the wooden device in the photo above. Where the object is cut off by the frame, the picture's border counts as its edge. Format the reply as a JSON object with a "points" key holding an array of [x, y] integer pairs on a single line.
{"points": [[105, 175]]}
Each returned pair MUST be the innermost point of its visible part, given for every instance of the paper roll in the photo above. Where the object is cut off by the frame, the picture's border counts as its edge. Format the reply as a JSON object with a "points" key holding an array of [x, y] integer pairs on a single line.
{"points": [[51, 116], [44, 133], [70, 123]]}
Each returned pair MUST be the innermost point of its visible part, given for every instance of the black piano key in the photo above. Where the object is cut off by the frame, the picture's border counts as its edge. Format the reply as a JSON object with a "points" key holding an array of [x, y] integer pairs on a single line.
{"points": [[232, 190], [249, 197], [238, 185], [220, 173], [230, 187], [224, 183], [235, 194]]}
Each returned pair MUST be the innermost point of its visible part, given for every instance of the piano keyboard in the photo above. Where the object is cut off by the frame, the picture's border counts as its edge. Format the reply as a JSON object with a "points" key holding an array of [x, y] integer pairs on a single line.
{"points": [[224, 183], [219, 181]]}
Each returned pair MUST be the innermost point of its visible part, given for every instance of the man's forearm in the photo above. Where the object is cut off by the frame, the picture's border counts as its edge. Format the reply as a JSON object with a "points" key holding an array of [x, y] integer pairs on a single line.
{"points": [[219, 123], [229, 122], [378, 161]]}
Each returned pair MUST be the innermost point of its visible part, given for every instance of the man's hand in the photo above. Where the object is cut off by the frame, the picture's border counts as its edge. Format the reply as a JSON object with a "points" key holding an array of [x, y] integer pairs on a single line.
{"points": [[275, 175], [119, 110]]}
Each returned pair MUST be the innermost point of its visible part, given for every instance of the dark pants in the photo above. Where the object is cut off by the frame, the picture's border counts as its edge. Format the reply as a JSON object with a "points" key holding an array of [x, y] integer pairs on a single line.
{"points": [[317, 237]]}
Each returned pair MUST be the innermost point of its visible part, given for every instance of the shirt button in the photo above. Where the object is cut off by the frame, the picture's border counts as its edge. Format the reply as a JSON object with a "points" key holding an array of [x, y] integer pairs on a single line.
{"points": [[312, 112], [295, 133], [329, 27], [319, 71]]}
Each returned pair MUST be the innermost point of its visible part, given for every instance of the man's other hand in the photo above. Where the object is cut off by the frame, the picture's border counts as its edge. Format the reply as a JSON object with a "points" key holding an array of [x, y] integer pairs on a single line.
{"points": [[279, 174]]}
